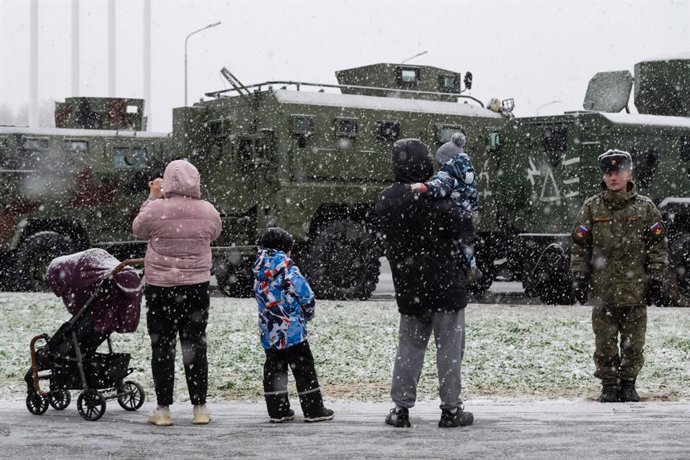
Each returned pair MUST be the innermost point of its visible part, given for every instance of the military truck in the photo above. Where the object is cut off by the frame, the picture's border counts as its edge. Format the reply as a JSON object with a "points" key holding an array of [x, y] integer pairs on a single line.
{"points": [[75, 186], [312, 158], [548, 167]]}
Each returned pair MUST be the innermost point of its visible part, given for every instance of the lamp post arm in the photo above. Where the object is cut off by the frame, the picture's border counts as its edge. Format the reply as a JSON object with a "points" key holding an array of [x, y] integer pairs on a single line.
{"points": [[186, 40]]}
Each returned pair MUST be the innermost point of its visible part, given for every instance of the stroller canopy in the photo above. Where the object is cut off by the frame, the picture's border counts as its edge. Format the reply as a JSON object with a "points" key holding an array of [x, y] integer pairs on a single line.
{"points": [[75, 277]]}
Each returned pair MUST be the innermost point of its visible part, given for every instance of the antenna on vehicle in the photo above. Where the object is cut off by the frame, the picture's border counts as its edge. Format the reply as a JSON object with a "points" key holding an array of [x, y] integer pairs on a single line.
{"points": [[236, 84]]}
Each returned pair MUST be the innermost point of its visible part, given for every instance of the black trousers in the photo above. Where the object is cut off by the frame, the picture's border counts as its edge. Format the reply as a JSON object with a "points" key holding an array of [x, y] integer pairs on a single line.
{"points": [[183, 311], [301, 361]]}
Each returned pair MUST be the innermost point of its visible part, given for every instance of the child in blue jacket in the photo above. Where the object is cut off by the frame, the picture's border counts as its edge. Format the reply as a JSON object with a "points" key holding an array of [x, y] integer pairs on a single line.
{"points": [[286, 303], [456, 178]]}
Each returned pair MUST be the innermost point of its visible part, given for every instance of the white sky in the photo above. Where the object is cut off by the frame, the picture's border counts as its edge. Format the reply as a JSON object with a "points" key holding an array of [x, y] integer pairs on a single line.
{"points": [[535, 51]]}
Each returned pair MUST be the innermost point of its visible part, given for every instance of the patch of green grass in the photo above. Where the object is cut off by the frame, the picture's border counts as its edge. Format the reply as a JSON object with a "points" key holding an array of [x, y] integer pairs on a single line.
{"points": [[536, 352]]}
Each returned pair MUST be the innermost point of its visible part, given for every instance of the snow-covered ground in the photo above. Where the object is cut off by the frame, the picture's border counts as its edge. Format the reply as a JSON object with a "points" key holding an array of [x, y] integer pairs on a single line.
{"points": [[529, 430], [527, 377], [514, 352]]}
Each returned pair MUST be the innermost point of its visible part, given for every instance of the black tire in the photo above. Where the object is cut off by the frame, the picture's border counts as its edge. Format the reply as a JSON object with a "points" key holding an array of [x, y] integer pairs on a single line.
{"points": [[551, 277], [679, 255], [91, 405], [236, 284], [36, 403], [59, 399], [34, 255], [130, 396], [485, 263], [342, 261]]}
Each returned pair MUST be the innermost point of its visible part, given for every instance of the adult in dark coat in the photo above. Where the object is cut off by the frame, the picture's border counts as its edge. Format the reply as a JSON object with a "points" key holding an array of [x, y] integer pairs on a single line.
{"points": [[420, 236]]}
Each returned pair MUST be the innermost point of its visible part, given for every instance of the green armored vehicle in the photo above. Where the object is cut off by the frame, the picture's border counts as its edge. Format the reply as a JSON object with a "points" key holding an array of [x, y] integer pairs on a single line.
{"points": [[69, 188], [312, 159], [548, 167]]}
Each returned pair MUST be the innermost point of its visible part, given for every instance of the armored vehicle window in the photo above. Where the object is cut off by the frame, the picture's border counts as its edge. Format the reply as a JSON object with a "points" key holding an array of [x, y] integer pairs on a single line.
{"points": [[554, 138], [684, 148], [645, 163], [34, 143], [345, 127], [449, 83], [388, 130], [3, 148], [444, 132], [302, 124], [408, 77], [76, 146], [494, 140], [129, 157]]}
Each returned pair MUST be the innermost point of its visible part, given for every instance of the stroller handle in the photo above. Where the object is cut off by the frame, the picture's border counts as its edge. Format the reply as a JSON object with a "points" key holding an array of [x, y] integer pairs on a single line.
{"points": [[34, 364], [123, 264]]}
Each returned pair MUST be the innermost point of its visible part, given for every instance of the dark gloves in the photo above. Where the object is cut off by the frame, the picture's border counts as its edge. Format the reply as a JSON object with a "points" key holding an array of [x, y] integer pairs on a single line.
{"points": [[581, 289], [655, 293]]}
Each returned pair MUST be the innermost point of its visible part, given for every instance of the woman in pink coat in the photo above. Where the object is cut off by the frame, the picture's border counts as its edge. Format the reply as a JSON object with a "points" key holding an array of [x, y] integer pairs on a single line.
{"points": [[179, 227]]}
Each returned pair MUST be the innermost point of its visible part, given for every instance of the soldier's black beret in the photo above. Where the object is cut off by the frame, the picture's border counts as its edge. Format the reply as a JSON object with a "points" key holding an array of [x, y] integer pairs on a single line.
{"points": [[276, 238], [614, 160]]}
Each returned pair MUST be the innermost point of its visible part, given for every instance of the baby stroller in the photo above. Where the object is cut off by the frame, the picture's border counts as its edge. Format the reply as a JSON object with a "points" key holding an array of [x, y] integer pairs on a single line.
{"points": [[104, 296]]}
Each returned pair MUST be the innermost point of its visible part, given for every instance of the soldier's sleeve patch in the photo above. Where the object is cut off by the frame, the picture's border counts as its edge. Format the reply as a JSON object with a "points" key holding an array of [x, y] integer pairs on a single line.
{"points": [[581, 234], [655, 232]]}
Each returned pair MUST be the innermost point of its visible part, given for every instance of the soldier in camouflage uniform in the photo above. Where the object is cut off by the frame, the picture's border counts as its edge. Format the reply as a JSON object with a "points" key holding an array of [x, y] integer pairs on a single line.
{"points": [[620, 250]]}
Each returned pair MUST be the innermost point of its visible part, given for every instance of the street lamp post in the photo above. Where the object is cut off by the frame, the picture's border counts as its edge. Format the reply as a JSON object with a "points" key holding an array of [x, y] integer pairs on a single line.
{"points": [[185, 55], [415, 56]]}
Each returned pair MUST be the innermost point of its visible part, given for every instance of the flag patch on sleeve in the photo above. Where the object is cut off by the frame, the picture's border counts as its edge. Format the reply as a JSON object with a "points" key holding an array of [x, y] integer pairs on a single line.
{"points": [[656, 232], [581, 234]]}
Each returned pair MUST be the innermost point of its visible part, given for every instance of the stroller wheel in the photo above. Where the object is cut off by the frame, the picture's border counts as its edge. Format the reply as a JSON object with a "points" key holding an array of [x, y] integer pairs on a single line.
{"points": [[36, 403], [131, 396], [59, 399], [91, 405]]}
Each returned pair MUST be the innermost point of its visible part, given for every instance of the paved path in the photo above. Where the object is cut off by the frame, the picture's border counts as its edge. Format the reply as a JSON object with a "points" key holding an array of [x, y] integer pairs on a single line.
{"points": [[533, 430]]}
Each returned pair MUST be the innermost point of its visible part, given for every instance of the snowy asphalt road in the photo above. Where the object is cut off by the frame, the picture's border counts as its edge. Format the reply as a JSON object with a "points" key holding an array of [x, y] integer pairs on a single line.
{"points": [[533, 430]]}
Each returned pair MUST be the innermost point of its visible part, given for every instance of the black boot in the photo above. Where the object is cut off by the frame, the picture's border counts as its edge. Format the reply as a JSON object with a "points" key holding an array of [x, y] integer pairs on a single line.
{"points": [[399, 417], [321, 415], [456, 418], [610, 393], [628, 392], [279, 408], [313, 408]]}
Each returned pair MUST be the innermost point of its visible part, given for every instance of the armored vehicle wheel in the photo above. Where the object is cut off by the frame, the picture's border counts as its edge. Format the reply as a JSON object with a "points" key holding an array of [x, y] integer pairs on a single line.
{"points": [[479, 287], [36, 403], [342, 261], [679, 253], [551, 277], [131, 396], [485, 263], [91, 405], [236, 285], [59, 399], [34, 255]]}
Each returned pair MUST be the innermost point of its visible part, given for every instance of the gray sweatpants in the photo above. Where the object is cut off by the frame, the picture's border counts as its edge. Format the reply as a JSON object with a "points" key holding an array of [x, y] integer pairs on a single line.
{"points": [[449, 336]]}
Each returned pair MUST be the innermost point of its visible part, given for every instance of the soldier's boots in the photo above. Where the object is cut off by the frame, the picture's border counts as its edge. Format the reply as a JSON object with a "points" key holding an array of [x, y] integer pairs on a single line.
{"points": [[610, 393], [628, 392]]}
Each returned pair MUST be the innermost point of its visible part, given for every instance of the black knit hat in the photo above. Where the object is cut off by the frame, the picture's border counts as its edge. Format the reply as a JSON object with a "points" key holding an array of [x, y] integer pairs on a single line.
{"points": [[276, 238], [411, 161], [615, 161]]}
